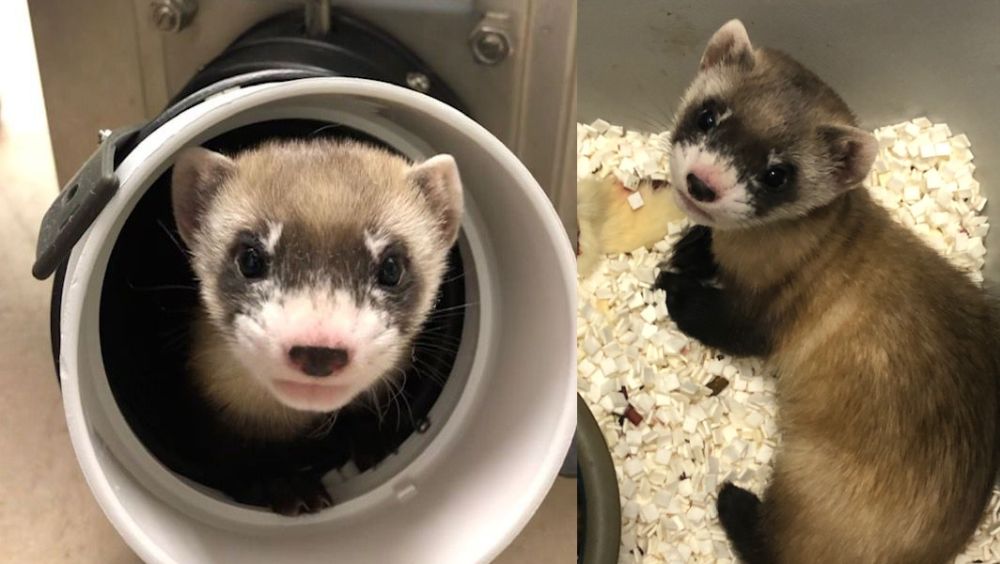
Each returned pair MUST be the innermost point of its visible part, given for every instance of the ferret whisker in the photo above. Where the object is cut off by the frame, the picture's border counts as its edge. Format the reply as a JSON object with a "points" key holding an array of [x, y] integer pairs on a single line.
{"points": [[434, 334], [435, 347], [172, 238], [453, 345], [329, 420], [453, 278], [438, 335], [378, 406], [398, 394], [444, 315], [324, 128], [435, 374], [161, 287], [454, 307], [393, 393]]}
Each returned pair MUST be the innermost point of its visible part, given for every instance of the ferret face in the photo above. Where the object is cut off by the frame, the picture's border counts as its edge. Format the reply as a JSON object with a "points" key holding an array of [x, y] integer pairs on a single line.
{"points": [[759, 138], [318, 262]]}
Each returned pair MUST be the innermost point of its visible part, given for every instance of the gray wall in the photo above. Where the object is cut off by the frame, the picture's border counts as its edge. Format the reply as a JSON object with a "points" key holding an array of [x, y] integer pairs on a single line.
{"points": [[890, 60]]}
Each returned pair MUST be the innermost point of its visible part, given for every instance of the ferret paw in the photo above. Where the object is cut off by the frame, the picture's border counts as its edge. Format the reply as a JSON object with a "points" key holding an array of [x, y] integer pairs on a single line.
{"points": [[296, 495], [692, 254], [738, 508], [740, 512], [687, 300], [705, 312]]}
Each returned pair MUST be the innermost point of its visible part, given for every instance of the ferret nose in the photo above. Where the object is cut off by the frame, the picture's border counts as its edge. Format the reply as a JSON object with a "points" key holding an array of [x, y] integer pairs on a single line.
{"points": [[318, 361], [699, 190]]}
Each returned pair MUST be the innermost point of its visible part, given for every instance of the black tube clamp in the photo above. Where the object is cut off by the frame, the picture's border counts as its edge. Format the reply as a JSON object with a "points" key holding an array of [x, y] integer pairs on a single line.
{"points": [[89, 192], [78, 205]]}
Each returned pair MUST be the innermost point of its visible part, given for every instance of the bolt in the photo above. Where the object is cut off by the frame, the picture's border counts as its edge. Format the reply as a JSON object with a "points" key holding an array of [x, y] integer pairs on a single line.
{"points": [[103, 134], [490, 45], [418, 81], [173, 15], [317, 18]]}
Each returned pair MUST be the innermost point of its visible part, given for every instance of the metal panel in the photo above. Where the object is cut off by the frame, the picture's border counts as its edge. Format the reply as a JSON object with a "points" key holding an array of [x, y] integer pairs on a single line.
{"points": [[89, 70], [126, 69]]}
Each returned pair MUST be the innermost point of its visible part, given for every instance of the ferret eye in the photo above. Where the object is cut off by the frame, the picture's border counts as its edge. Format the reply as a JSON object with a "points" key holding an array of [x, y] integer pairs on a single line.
{"points": [[390, 271], [251, 262], [707, 119], [775, 176]]}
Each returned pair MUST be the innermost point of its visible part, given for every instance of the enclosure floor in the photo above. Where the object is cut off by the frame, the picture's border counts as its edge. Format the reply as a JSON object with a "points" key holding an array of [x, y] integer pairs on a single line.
{"points": [[46, 511], [47, 514]]}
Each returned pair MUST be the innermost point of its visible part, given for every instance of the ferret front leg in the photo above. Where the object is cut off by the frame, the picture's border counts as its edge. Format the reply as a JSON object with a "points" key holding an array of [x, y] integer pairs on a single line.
{"points": [[297, 494], [692, 254], [710, 315], [292, 494]]}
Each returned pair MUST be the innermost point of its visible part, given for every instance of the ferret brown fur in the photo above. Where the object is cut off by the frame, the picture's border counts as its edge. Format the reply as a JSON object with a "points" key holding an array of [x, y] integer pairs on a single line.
{"points": [[887, 356]]}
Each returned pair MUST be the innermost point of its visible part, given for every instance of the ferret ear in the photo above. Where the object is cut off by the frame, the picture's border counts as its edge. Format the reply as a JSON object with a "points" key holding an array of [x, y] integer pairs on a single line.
{"points": [[197, 175], [438, 179], [730, 44], [852, 152]]}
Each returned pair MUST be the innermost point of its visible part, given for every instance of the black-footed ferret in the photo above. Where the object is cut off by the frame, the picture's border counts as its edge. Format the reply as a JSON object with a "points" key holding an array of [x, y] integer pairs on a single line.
{"points": [[318, 263], [887, 356]]}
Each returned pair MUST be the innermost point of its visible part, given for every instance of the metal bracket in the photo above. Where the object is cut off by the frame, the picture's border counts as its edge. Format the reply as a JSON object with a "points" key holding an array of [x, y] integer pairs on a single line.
{"points": [[78, 205]]}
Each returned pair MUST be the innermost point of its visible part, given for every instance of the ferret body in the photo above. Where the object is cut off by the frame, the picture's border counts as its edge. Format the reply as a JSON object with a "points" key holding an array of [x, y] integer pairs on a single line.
{"points": [[887, 356], [318, 263]]}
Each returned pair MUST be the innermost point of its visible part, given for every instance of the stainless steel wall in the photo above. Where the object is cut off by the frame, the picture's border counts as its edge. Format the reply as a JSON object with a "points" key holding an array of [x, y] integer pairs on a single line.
{"points": [[104, 64]]}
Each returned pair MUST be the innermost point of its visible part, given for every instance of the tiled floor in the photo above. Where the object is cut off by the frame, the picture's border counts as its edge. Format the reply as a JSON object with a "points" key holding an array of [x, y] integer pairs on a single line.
{"points": [[46, 511]]}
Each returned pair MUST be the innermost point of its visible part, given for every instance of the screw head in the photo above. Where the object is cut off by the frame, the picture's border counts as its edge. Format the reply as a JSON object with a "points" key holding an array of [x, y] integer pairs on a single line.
{"points": [[418, 81], [166, 18], [172, 15], [490, 46]]}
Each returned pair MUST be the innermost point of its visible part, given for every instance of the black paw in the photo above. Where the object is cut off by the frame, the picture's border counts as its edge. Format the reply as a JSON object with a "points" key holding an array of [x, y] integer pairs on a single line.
{"points": [[739, 509], [740, 515], [707, 313], [674, 282], [692, 254], [296, 494], [688, 300]]}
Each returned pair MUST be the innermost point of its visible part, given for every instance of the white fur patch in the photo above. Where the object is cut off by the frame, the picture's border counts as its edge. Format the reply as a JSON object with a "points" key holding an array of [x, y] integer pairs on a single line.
{"points": [[316, 318], [731, 205], [375, 244], [273, 236]]}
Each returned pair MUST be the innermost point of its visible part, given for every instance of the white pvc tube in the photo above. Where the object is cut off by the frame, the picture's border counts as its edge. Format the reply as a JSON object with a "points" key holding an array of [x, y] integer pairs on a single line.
{"points": [[469, 492]]}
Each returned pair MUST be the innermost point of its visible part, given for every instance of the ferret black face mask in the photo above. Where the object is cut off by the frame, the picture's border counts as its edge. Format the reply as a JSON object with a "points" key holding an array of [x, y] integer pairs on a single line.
{"points": [[760, 138]]}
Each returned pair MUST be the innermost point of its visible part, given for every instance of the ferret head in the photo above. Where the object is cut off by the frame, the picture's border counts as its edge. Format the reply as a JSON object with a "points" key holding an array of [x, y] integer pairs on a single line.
{"points": [[318, 262], [760, 138]]}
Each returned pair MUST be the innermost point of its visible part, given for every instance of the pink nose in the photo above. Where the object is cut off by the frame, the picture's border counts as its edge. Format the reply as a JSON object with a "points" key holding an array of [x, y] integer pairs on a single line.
{"points": [[318, 361], [699, 190]]}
